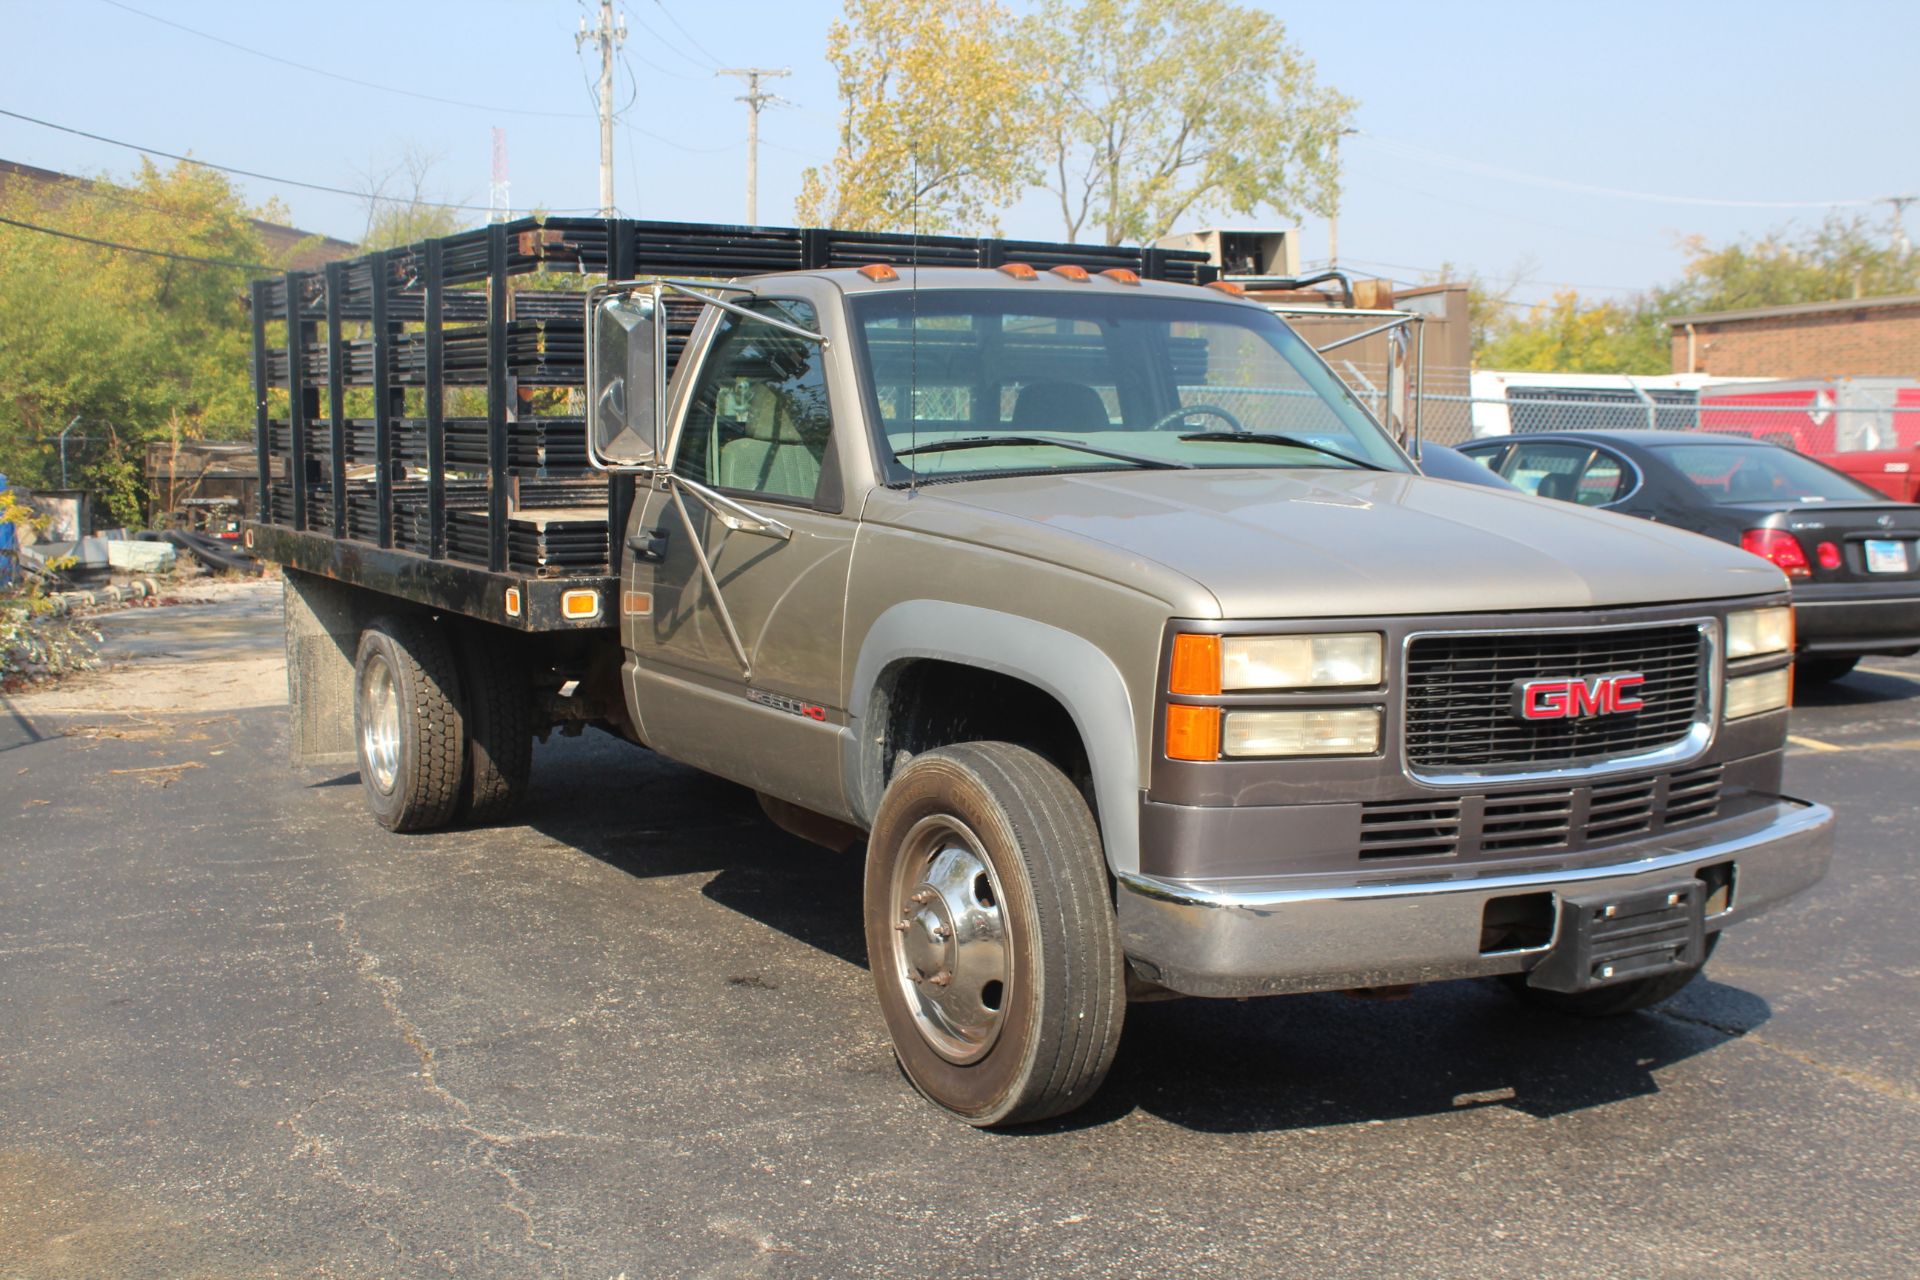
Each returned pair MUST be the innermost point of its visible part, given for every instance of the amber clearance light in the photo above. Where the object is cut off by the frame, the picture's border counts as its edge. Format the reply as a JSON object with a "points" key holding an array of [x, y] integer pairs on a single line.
{"points": [[1193, 733]]}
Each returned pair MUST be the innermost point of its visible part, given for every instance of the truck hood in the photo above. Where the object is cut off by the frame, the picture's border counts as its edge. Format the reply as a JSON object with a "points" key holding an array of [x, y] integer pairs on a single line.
{"points": [[1342, 543]]}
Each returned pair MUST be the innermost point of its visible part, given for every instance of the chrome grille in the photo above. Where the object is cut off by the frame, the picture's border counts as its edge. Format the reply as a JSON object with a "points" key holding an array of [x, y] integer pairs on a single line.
{"points": [[1459, 691]]}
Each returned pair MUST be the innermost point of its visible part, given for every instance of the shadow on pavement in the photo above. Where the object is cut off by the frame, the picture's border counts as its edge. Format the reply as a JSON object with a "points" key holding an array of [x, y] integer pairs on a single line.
{"points": [[1296, 1062], [677, 821], [1857, 689], [1212, 1065]]}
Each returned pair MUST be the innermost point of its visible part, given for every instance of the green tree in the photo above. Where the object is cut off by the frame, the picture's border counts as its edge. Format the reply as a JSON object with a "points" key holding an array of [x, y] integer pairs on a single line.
{"points": [[126, 343], [400, 207], [1845, 257], [1160, 111], [1842, 258], [1570, 334], [936, 118]]}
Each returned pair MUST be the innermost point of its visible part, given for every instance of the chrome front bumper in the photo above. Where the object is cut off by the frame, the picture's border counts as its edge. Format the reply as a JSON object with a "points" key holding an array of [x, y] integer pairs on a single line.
{"points": [[1285, 934]]}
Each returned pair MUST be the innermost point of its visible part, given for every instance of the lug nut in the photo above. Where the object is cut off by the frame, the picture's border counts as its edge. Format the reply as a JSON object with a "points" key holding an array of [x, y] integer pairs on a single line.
{"points": [[923, 897], [941, 933], [941, 978]]}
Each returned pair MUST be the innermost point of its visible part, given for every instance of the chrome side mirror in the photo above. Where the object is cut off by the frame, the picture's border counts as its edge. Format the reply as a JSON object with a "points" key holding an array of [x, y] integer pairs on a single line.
{"points": [[626, 344]]}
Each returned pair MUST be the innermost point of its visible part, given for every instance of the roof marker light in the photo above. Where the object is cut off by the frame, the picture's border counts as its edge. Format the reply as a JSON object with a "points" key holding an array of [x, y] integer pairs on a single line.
{"points": [[1120, 275], [879, 272], [1076, 274], [1020, 271], [1227, 286]]}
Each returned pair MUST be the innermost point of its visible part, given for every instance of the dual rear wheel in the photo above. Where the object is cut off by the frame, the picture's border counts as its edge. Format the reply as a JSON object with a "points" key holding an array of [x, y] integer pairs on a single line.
{"points": [[443, 724]]}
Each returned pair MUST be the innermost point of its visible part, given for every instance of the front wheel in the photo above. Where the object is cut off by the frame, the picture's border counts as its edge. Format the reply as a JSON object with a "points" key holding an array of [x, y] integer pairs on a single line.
{"points": [[991, 935]]}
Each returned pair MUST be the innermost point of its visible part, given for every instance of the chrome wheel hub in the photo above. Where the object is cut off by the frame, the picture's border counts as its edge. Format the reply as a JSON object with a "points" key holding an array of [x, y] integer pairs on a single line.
{"points": [[380, 724], [950, 939]]}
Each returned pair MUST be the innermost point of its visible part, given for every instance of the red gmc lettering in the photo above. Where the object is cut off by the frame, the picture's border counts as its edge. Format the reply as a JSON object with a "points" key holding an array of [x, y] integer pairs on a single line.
{"points": [[1572, 699]]}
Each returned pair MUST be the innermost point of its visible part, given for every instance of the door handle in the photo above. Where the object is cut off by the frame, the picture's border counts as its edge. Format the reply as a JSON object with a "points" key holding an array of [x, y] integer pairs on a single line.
{"points": [[649, 545]]}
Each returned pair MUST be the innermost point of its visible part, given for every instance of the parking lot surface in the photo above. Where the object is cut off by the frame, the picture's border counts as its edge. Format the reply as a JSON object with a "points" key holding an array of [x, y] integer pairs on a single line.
{"points": [[243, 1031]]}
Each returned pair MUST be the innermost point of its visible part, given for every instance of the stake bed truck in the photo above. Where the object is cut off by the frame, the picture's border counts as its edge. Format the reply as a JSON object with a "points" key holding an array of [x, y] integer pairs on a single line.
{"points": [[1072, 585]]}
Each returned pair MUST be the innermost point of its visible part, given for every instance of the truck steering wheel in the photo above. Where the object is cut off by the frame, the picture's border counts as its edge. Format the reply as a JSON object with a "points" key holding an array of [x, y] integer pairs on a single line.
{"points": [[1186, 411]]}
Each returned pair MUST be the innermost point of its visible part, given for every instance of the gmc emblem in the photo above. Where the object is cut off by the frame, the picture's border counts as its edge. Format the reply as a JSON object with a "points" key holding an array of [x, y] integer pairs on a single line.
{"points": [[1569, 699]]}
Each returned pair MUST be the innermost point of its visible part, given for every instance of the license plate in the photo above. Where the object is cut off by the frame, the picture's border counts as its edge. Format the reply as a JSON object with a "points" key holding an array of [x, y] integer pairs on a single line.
{"points": [[1887, 556]]}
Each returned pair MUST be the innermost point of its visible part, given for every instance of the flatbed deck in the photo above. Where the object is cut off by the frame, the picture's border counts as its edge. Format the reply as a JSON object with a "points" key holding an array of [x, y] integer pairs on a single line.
{"points": [[448, 585]]}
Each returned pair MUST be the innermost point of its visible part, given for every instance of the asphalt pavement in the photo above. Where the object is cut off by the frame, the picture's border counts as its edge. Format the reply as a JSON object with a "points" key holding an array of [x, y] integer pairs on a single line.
{"points": [[243, 1031]]}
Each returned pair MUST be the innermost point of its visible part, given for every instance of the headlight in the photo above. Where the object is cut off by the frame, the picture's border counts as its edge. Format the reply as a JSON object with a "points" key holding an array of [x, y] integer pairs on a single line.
{"points": [[1343, 731], [1209, 665], [1750, 695], [1757, 631]]}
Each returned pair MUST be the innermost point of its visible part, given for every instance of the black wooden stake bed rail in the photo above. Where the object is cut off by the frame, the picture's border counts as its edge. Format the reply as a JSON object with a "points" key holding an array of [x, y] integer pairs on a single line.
{"points": [[331, 503]]}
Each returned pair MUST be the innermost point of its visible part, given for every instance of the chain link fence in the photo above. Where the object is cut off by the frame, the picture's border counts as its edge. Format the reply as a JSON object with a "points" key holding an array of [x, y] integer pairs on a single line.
{"points": [[1450, 414]]}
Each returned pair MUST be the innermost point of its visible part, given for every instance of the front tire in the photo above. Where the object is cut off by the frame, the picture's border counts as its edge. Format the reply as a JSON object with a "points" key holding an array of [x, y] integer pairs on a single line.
{"points": [[407, 724], [991, 934]]}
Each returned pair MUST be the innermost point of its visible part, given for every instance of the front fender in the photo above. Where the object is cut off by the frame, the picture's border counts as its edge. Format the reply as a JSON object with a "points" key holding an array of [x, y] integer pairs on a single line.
{"points": [[1076, 673]]}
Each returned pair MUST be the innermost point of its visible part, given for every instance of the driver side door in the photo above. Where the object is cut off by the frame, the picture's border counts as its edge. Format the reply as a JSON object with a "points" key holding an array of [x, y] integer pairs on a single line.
{"points": [[740, 674]]}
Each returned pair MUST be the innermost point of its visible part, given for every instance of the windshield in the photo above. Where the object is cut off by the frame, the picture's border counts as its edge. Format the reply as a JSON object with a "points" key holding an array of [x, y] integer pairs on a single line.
{"points": [[1126, 380], [1728, 473]]}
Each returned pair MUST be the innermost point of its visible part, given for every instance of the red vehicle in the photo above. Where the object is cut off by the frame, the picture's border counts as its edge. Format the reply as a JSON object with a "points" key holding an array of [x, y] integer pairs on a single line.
{"points": [[1868, 428]]}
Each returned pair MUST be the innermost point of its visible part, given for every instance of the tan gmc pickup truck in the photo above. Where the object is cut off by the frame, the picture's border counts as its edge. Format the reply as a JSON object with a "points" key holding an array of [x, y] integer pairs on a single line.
{"points": [[1137, 654]]}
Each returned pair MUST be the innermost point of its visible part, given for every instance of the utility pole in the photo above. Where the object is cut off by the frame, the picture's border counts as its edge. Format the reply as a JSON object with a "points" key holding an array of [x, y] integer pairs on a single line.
{"points": [[499, 202], [1333, 219], [607, 37], [754, 100]]}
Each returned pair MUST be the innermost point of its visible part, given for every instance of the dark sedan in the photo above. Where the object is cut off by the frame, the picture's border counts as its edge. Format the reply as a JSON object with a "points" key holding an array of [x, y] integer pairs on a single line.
{"points": [[1852, 555]]}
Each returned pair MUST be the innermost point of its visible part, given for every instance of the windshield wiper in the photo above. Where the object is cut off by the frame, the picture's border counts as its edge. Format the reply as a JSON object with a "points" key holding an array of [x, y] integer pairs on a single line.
{"points": [[1291, 442], [984, 442]]}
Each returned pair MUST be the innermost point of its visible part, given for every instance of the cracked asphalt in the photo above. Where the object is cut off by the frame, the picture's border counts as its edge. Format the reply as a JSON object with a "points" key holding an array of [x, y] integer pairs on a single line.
{"points": [[245, 1032]]}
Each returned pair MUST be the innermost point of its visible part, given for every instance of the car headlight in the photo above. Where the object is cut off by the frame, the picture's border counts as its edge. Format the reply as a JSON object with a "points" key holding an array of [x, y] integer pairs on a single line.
{"points": [[1208, 665], [1332, 731], [1751, 695], [1753, 632]]}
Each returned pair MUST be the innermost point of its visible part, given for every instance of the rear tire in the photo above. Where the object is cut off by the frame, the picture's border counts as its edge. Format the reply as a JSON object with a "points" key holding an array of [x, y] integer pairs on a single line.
{"points": [[499, 716], [1824, 669], [991, 934], [407, 724], [1611, 1001]]}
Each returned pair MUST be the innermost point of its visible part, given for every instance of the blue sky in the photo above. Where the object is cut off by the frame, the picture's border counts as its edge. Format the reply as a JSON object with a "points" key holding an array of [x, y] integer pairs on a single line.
{"points": [[1576, 141]]}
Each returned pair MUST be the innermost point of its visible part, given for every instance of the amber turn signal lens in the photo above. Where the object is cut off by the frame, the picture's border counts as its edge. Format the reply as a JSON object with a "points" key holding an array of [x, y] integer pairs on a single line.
{"points": [[579, 606], [1196, 666], [1193, 733]]}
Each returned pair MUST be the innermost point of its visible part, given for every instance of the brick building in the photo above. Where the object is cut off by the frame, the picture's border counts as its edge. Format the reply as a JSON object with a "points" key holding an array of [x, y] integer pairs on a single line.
{"points": [[1856, 337]]}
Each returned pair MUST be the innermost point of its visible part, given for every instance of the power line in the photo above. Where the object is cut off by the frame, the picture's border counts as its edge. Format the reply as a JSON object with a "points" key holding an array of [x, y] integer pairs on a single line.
{"points": [[671, 46], [134, 248], [688, 34], [1464, 165], [249, 173], [334, 75]]}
